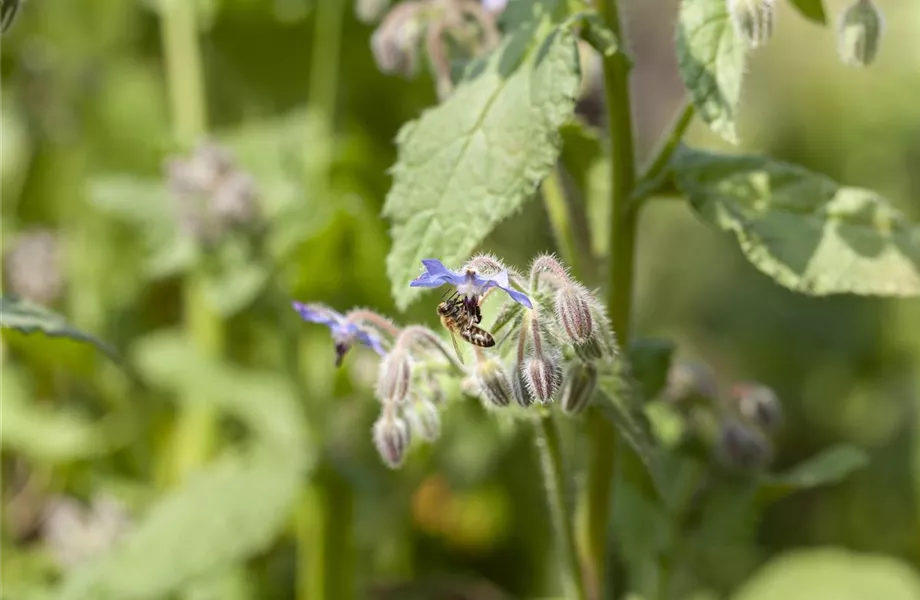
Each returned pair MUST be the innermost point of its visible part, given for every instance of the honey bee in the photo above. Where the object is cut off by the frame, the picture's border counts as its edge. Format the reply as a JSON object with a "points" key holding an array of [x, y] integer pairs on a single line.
{"points": [[461, 317]]}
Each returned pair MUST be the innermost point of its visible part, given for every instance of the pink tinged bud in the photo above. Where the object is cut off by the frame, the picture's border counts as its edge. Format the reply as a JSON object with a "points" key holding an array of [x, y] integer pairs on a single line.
{"points": [[742, 447], [494, 383], [578, 390], [394, 377], [542, 376], [573, 312], [391, 437], [758, 404], [425, 420]]}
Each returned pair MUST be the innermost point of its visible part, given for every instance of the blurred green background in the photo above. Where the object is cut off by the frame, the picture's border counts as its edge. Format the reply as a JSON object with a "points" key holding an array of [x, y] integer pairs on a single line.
{"points": [[86, 131]]}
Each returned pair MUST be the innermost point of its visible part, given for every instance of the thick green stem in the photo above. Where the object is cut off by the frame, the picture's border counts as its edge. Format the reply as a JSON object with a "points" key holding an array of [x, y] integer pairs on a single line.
{"points": [[560, 219], [196, 430], [554, 479], [602, 435], [325, 518]]}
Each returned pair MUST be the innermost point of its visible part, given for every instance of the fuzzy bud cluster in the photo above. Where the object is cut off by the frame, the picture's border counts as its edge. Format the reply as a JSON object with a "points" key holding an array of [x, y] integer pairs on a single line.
{"points": [[494, 383], [392, 437], [580, 383], [213, 194]]}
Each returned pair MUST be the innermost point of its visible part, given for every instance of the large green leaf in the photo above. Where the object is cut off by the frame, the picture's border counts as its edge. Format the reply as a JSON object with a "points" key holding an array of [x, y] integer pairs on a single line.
{"points": [[832, 574], [802, 229], [473, 161], [813, 10], [710, 57], [27, 318], [829, 467], [226, 513]]}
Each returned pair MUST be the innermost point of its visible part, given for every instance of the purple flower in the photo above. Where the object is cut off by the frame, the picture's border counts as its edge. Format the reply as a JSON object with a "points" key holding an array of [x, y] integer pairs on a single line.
{"points": [[344, 332], [469, 283]]}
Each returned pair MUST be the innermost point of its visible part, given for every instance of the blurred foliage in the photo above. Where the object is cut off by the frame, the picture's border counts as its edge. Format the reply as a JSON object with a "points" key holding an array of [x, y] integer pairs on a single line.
{"points": [[86, 124]]}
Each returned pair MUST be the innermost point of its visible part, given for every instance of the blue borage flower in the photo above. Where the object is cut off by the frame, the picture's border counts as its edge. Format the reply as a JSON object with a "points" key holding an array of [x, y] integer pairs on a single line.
{"points": [[344, 332], [469, 283]]}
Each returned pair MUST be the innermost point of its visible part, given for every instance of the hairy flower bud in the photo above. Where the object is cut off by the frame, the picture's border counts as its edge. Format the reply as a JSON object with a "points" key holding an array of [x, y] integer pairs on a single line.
{"points": [[493, 381], [753, 20], [394, 377], [758, 405], [542, 376], [395, 43], [519, 387], [689, 383], [425, 420], [580, 383], [742, 447], [573, 313], [859, 33], [33, 267], [391, 437]]}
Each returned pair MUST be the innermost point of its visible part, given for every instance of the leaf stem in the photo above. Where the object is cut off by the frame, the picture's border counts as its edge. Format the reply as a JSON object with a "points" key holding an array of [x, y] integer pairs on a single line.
{"points": [[196, 429], [623, 221], [648, 182], [547, 439], [560, 220]]}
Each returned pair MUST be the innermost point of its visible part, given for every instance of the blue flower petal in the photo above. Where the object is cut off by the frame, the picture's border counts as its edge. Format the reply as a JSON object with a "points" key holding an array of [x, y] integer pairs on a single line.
{"points": [[371, 342], [318, 314], [435, 275], [519, 297]]}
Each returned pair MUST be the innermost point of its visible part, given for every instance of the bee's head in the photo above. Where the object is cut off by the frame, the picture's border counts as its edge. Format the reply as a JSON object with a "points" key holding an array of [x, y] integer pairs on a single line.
{"points": [[444, 308]]}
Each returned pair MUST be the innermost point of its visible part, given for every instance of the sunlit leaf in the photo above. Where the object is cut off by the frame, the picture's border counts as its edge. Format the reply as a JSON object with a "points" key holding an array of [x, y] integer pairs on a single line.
{"points": [[802, 229], [710, 57], [226, 513], [832, 574], [827, 468], [28, 318], [813, 10], [475, 159]]}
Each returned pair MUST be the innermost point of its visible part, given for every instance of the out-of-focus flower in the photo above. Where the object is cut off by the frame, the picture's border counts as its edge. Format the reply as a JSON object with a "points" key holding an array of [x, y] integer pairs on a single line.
{"points": [[33, 267], [469, 283], [689, 383], [859, 33], [425, 420], [76, 533], [743, 447], [758, 405], [493, 382], [369, 11], [344, 332], [396, 42], [213, 194]]}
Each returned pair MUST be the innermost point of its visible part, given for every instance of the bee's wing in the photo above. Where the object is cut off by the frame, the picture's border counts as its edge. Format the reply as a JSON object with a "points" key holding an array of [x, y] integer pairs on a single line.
{"points": [[453, 338]]}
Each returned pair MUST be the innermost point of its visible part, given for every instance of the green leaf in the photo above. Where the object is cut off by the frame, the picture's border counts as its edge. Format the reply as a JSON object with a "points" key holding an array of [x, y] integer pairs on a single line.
{"points": [[224, 514], [41, 433], [812, 10], [650, 360], [622, 408], [827, 468], [832, 574], [474, 160], [710, 58], [802, 229], [28, 318]]}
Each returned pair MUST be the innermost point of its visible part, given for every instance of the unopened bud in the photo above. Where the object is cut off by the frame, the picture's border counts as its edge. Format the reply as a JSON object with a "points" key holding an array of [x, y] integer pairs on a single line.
{"points": [[395, 44], [753, 20], [369, 11], [573, 313], [758, 405], [542, 376], [690, 383], [425, 420], [580, 382], [394, 377], [33, 267], [391, 437], [493, 381], [859, 33], [743, 447], [519, 387]]}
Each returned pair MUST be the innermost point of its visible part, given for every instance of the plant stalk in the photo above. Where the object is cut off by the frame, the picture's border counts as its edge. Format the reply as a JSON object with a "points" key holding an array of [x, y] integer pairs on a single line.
{"points": [[623, 221], [195, 433], [554, 477], [560, 220]]}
